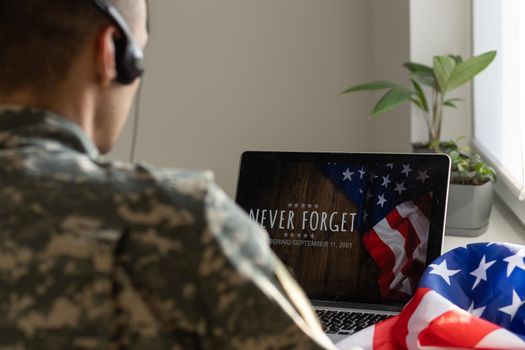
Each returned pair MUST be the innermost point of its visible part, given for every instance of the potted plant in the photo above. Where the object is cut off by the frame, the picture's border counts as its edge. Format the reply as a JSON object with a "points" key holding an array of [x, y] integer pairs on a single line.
{"points": [[447, 74], [471, 192], [471, 189]]}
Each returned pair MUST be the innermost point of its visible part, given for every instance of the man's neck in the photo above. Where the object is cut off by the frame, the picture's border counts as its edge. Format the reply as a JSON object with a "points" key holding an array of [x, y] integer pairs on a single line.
{"points": [[70, 107]]}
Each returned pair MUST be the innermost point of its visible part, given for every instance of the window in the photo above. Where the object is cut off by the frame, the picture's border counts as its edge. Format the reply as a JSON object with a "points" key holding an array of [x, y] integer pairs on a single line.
{"points": [[499, 93]]}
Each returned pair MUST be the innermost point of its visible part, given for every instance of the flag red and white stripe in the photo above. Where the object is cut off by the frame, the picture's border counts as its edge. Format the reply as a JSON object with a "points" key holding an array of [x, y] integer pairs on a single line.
{"points": [[398, 245], [430, 321]]}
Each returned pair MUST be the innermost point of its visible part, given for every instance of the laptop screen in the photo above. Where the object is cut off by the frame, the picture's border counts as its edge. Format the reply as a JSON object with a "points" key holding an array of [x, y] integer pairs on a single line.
{"points": [[356, 228]]}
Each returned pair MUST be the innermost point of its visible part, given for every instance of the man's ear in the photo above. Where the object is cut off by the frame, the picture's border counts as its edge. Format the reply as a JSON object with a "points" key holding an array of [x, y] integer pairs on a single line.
{"points": [[106, 67]]}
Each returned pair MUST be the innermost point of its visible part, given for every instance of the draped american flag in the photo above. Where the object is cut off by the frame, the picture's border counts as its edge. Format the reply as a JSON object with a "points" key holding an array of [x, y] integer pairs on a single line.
{"points": [[394, 205], [470, 298]]}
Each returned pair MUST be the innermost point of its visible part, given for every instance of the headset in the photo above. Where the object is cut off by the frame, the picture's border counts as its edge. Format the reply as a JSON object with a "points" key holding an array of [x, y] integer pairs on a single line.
{"points": [[129, 57]]}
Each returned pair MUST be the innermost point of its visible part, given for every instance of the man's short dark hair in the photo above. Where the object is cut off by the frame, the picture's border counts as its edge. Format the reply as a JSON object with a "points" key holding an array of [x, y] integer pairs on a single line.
{"points": [[40, 39]]}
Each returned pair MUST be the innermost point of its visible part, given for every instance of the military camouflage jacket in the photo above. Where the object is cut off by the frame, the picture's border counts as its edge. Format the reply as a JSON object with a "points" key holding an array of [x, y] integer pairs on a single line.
{"points": [[105, 255]]}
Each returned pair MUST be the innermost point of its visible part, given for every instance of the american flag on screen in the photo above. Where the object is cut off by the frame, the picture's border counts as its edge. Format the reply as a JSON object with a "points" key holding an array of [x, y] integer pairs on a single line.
{"points": [[394, 205], [470, 298]]}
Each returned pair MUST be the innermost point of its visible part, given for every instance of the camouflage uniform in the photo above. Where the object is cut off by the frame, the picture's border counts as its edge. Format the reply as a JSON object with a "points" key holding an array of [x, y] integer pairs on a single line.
{"points": [[105, 255]]}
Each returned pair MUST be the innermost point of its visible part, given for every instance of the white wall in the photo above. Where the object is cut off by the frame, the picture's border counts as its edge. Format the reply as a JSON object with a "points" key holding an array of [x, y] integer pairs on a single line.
{"points": [[233, 75], [442, 27]]}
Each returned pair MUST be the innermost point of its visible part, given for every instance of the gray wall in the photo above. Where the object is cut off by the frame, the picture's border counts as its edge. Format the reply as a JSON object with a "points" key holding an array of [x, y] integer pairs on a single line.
{"points": [[390, 29], [233, 75]]}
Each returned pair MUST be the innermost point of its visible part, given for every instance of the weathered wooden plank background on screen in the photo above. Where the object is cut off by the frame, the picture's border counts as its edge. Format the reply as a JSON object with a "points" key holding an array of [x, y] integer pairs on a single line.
{"points": [[336, 271]]}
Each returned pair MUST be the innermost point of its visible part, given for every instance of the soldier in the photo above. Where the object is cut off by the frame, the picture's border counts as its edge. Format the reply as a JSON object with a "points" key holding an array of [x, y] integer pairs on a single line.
{"points": [[105, 255]]}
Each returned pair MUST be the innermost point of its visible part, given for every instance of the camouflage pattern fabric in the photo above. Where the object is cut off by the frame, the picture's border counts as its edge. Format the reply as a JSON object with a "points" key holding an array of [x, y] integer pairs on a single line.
{"points": [[107, 255]]}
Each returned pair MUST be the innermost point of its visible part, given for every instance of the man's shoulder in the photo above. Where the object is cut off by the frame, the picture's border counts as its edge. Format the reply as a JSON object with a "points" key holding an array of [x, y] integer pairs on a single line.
{"points": [[145, 196], [65, 181], [143, 178]]}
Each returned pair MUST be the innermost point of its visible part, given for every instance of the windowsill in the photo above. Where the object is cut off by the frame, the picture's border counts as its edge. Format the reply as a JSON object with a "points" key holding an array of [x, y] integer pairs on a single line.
{"points": [[503, 227]]}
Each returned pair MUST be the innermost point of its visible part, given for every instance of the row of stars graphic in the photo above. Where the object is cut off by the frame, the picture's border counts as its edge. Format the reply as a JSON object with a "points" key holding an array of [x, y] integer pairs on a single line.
{"points": [[303, 205], [299, 235], [513, 261], [422, 175], [407, 169], [399, 188]]}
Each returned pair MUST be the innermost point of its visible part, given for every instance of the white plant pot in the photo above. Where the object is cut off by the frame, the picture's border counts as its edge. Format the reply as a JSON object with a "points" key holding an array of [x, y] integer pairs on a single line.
{"points": [[469, 209]]}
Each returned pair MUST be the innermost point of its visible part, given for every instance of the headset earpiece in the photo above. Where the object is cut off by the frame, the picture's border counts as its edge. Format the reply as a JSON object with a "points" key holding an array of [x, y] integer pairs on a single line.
{"points": [[129, 57]]}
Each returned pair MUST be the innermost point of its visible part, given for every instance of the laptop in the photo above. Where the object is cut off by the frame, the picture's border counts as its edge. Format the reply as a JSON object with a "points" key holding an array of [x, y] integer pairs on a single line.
{"points": [[356, 230]]}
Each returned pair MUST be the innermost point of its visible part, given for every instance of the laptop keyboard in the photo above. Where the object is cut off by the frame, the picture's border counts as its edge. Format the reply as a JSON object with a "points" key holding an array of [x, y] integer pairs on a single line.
{"points": [[347, 322]]}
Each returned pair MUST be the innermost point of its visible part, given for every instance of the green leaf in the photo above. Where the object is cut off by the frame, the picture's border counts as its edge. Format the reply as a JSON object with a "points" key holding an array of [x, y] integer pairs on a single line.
{"points": [[467, 70], [452, 102], [476, 158], [425, 78], [456, 58], [454, 155], [421, 73], [392, 99], [421, 95], [375, 85], [443, 68], [418, 68], [416, 102]]}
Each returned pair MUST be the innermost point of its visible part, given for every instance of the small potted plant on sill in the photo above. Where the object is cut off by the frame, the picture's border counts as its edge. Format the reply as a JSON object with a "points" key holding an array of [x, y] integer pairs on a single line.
{"points": [[471, 190]]}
